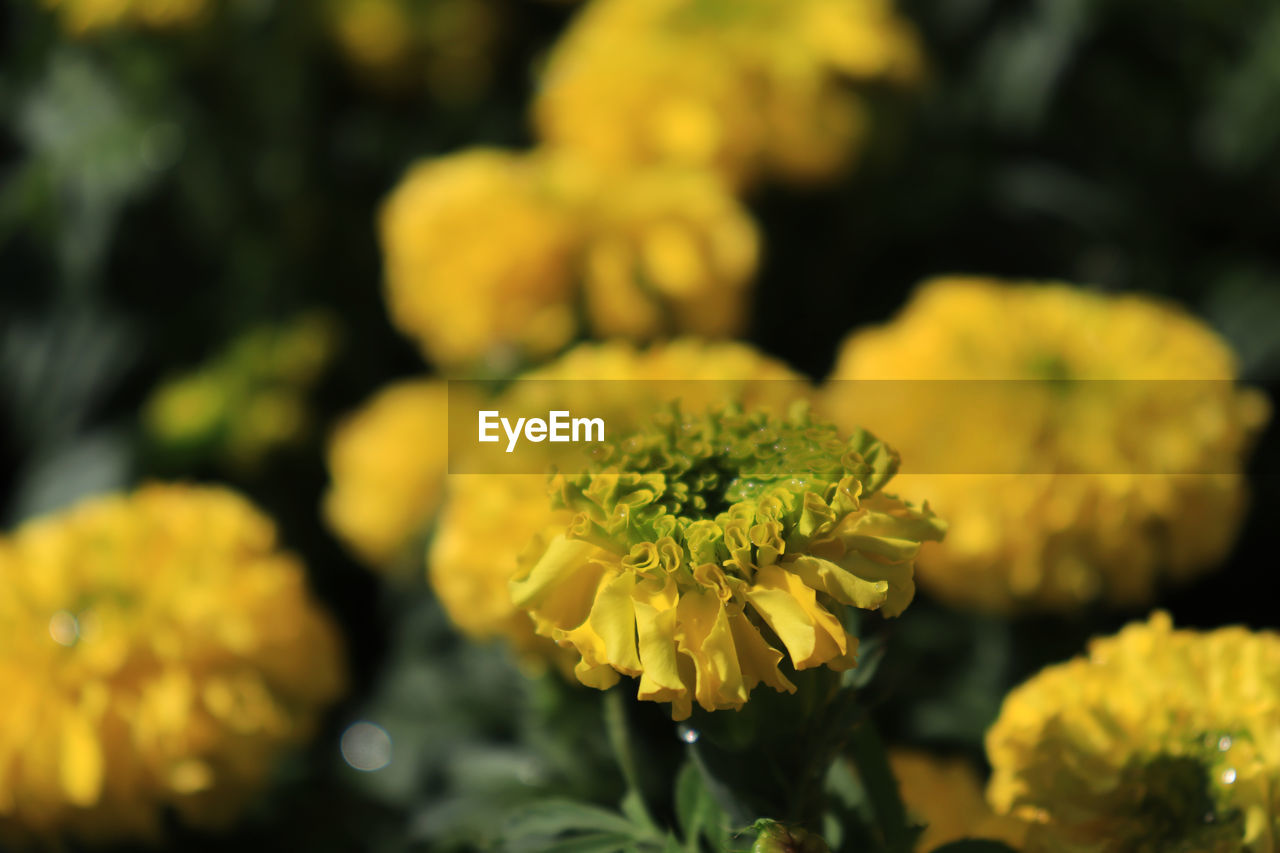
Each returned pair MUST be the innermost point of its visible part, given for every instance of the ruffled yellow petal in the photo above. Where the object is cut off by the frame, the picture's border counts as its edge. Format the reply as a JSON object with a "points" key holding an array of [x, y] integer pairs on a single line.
{"points": [[812, 635]]}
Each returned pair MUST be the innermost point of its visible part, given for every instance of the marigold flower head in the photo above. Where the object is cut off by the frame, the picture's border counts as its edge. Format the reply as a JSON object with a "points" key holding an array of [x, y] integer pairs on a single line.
{"points": [[668, 251], [489, 520], [387, 463], [158, 652], [1075, 508], [83, 17], [448, 285], [946, 795], [741, 87], [701, 543], [1157, 739]]}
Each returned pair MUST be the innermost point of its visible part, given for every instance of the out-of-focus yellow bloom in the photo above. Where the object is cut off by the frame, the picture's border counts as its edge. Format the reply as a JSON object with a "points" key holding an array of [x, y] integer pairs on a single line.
{"points": [[82, 17], [158, 652], [946, 795], [480, 254], [1156, 740], [249, 399], [741, 87], [642, 254], [668, 251], [703, 544], [387, 463], [488, 520], [1091, 518], [446, 44]]}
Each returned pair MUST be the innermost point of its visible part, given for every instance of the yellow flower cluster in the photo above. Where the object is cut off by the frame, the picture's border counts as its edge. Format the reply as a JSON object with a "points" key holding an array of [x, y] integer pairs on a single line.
{"points": [[743, 88], [158, 652], [946, 795], [447, 45], [492, 256], [247, 400], [387, 464], [489, 520], [702, 544], [1157, 739], [82, 17], [1059, 490]]}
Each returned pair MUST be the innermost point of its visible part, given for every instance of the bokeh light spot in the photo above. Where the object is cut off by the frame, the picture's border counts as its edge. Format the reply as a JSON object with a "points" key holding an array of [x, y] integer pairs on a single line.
{"points": [[366, 746]]}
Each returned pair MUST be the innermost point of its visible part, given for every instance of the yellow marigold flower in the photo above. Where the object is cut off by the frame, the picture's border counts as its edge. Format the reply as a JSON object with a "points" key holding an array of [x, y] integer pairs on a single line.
{"points": [[1157, 739], [158, 653], [82, 17], [946, 795], [668, 251], [741, 87], [480, 258], [702, 543], [387, 463], [488, 520], [1050, 486], [446, 44], [247, 400]]}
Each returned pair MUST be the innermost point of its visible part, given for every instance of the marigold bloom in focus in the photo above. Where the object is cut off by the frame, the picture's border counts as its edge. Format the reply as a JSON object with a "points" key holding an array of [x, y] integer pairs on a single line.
{"points": [[703, 543], [741, 87], [946, 794], [387, 463], [489, 520], [158, 652], [1059, 491], [1157, 739], [480, 255], [82, 17]]}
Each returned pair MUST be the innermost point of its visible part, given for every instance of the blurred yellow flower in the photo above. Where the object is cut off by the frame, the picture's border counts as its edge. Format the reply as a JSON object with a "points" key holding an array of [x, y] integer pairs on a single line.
{"points": [[81, 17], [1157, 739], [668, 251], [641, 254], [1052, 487], [387, 464], [448, 45], [741, 87], [480, 254], [703, 543], [158, 652], [488, 520], [946, 795], [249, 399]]}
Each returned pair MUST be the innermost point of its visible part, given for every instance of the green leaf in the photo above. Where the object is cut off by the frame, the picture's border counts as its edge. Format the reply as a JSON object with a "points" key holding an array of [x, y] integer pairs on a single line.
{"points": [[550, 818], [872, 764], [597, 842], [699, 814]]}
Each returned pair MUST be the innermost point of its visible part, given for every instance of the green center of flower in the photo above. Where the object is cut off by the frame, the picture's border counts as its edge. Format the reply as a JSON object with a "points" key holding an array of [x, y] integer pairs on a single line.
{"points": [[718, 485]]}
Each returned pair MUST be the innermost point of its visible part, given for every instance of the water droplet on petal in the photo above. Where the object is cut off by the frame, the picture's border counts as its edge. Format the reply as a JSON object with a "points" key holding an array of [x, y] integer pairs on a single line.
{"points": [[1228, 776], [688, 734], [1224, 743]]}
